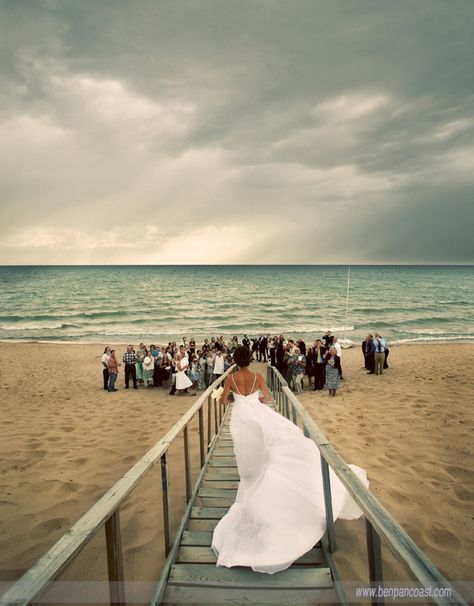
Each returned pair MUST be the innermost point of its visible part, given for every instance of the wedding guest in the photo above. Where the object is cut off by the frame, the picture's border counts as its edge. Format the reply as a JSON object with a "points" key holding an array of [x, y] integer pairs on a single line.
{"points": [[182, 379], [327, 338], [364, 349], [272, 344], [333, 378], [387, 351], [246, 342], [379, 355], [105, 368], [280, 355], [202, 365], [192, 346], [113, 365], [337, 345], [210, 366], [319, 353], [301, 346], [218, 366], [289, 361], [157, 372], [299, 366], [194, 372], [130, 359], [139, 366], [370, 351], [148, 368], [309, 370], [262, 348]]}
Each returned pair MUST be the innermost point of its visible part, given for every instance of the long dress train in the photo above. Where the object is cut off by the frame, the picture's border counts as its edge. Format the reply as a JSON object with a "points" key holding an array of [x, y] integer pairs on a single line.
{"points": [[279, 513]]}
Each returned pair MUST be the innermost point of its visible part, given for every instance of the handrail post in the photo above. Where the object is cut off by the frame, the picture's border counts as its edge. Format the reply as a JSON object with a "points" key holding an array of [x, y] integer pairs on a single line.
{"points": [[165, 485], [209, 405], [328, 506], [287, 407], [187, 464], [216, 426], [294, 416], [115, 560], [374, 552], [201, 436]]}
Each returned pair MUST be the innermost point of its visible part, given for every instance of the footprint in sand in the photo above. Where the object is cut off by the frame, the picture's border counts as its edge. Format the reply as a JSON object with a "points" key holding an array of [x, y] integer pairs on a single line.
{"points": [[439, 536], [52, 524]]}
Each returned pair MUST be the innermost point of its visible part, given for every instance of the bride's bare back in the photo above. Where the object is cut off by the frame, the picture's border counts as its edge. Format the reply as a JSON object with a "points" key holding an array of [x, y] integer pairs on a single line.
{"points": [[245, 382]]}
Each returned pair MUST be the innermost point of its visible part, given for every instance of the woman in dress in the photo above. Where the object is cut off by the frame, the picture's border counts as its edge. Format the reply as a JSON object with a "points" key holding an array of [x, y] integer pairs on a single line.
{"points": [[182, 379], [332, 370], [148, 368], [279, 511]]}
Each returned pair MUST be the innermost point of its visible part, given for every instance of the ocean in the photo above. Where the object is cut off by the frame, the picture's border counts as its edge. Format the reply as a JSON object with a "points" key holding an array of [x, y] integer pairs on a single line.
{"points": [[117, 304]]}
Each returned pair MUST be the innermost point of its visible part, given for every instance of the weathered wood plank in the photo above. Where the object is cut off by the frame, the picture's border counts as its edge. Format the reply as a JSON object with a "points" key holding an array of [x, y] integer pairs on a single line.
{"points": [[216, 493], [194, 553], [200, 524], [196, 538], [208, 513], [221, 484], [215, 502], [176, 594], [223, 462], [225, 452], [212, 576], [222, 475]]}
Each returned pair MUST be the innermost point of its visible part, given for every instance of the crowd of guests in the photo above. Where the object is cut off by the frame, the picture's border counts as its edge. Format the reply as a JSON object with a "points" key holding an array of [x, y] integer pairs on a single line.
{"points": [[181, 367]]}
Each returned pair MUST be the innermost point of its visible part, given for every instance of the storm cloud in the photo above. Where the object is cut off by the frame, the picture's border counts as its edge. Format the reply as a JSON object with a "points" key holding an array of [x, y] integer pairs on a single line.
{"points": [[336, 131]]}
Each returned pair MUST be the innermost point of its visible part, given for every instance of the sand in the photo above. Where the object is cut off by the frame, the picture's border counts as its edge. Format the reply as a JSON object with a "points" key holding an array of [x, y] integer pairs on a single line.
{"points": [[65, 442]]}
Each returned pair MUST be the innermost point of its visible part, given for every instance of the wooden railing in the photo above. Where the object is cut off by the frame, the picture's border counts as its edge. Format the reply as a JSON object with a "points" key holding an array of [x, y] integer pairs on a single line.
{"points": [[106, 512], [380, 525]]}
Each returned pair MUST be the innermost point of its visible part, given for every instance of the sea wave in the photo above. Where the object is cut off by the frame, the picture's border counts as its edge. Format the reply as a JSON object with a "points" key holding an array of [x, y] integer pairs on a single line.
{"points": [[433, 339], [26, 326]]}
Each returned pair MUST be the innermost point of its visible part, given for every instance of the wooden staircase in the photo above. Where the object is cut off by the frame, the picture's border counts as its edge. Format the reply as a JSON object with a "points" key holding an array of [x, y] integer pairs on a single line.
{"points": [[194, 577]]}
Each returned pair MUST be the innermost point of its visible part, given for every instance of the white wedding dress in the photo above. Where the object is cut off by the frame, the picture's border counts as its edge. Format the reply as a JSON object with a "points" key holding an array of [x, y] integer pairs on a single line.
{"points": [[279, 513]]}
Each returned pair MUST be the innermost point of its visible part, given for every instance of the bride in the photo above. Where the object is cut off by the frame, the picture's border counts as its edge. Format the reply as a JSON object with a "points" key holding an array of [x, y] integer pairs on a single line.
{"points": [[279, 512]]}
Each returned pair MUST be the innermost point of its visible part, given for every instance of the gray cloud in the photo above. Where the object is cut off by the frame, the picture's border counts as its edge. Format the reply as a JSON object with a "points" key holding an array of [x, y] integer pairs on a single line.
{"points": [[131, 129]]}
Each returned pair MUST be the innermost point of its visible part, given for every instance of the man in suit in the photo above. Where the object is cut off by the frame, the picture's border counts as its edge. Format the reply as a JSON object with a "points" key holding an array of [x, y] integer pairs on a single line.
{"points": [[262, 348], [318, 358]]}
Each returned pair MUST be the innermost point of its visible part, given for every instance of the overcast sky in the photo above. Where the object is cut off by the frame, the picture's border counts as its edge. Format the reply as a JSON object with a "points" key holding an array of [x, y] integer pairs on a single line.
{"points": [[244, 131]]}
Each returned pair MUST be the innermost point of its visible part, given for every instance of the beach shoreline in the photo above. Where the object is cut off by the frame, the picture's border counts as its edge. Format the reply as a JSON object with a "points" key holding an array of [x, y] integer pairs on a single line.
{"points": [[66, 442]]}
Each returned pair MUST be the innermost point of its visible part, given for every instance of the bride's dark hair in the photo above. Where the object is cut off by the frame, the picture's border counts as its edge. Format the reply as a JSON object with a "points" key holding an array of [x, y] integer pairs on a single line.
{"points": [[242, 356]]}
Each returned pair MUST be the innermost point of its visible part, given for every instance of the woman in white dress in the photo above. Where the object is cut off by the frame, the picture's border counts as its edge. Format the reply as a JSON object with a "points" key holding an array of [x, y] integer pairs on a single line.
{"points": [[182, 364], [279, 512]]}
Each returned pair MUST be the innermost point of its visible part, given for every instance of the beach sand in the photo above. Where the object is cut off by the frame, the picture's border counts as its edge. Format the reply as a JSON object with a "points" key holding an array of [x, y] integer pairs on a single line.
{"points": [[65, 442]]}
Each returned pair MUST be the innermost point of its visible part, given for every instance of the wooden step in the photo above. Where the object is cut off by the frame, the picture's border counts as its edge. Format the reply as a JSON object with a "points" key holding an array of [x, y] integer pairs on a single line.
{"points": [[212, 576], [208, 513], [222, 475], [179, 594], [196, 538], [215, 502], [203, 554], [220, 484], [201, 525], [223, 462], [216, 493]]}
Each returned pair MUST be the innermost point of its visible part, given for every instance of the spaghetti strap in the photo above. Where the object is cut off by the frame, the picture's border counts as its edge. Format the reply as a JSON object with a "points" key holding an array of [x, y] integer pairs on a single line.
{"points": [[235, 385], [254, 381]]}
